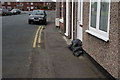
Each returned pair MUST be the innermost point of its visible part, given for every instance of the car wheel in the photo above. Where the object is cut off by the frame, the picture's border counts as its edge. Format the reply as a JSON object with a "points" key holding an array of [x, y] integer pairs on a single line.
{"points": [[45, 22], [29, 22]]}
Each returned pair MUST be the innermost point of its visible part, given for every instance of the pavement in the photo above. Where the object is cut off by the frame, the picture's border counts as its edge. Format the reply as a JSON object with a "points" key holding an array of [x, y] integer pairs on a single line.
{"points": [[49, 59]]}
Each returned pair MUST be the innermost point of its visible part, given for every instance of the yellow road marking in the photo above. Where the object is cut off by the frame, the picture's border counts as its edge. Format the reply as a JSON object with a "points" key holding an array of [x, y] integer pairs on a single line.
{"points": [[40, 34], [36, 36]]}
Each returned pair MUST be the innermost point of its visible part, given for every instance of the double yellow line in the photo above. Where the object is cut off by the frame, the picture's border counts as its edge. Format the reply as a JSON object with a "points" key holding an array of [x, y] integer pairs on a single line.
{"points": [[38, 35]]}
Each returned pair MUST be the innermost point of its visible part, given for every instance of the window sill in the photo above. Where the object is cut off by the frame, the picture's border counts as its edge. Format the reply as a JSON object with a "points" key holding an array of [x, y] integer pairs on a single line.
{"points": [[98, 36]]}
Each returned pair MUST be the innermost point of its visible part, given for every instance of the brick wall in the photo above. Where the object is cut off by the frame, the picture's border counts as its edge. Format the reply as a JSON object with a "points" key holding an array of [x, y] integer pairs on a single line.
{"points": [[25, 6], [0, 5], [63, 25]]}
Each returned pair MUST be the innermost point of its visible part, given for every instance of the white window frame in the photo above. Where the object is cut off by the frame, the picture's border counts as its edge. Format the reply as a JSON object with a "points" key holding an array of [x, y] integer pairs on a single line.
{"points": [[32, 7], [3, 7], [67, 17], [28, 7], [9, 3], [96, 31], [31, 3]]}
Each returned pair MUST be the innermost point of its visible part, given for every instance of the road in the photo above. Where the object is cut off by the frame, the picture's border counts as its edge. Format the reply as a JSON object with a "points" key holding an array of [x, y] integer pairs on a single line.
{"points": [[50, 59], [17, 39]]}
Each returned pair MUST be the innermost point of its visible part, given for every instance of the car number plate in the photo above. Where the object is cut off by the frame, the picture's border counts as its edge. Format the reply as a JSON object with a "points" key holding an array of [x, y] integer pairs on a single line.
{"points": [[36, 19]]}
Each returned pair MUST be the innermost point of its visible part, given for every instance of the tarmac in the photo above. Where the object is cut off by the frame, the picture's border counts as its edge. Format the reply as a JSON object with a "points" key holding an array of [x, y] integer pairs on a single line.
{"points": [[50, 59], [61, 63]]}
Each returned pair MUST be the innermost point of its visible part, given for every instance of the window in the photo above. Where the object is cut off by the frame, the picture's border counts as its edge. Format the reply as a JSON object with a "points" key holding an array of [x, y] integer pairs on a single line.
{"points": [[104, 10], [93, 14], [99, 19], [3, 3], [21, 4], [31, 3], [9, 8], [9, 3], [3, 7], [32, 7], [28, 7]]}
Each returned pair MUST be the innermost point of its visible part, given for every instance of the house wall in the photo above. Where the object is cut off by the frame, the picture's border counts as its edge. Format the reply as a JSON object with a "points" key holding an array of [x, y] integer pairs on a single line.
{"points": [[24, 5], [105, 53], [70, 20], [119, 40], [0, 5], [63, 24]]}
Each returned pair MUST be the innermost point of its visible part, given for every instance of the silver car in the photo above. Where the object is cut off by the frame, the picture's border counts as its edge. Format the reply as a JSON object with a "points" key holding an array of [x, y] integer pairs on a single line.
{"points": [[38, 16]]}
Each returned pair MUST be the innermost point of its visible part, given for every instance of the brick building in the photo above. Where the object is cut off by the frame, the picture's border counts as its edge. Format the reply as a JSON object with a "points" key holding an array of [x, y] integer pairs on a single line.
{"points": [[28, 6], [96, 24], [0, 5]]}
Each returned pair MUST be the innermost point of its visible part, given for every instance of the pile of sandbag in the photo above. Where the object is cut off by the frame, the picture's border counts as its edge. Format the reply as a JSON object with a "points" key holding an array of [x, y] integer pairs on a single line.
{"points": [[76, 47]]}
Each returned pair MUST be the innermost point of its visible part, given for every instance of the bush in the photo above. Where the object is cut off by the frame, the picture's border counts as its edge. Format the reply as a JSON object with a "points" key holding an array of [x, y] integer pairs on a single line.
{"points": [[45, 7]]}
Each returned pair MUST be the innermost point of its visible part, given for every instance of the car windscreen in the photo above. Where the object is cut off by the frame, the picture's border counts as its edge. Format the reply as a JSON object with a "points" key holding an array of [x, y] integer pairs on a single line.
{"points": [[14, 10], [37, 13]]}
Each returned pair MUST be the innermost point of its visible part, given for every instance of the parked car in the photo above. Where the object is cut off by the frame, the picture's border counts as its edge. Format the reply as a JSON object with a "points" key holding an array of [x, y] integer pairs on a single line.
{"points": [[37, 16], [5, 12], [0, 12], [16, 11]]}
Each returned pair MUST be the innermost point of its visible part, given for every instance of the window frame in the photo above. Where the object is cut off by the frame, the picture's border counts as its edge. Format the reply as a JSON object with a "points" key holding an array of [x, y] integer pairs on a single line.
{"points": [[31, 3], [9, 3], [3, 3], [96, 31], [31, 7]]}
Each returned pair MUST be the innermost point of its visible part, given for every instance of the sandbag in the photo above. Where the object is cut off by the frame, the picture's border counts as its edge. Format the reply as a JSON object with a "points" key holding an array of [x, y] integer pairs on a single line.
{"points": [[79, 48], [76, 47], [76, 42], [78, 53]]}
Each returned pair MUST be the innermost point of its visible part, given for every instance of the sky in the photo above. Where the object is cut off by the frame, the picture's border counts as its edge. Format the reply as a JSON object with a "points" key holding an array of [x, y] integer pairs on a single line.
{"points": [[54, 0], [40, 0]]}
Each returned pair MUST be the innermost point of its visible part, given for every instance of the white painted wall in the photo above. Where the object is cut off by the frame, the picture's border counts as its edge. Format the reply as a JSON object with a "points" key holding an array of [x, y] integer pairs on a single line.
{"points": [[67, 17], [80, 20], [72, 20]]}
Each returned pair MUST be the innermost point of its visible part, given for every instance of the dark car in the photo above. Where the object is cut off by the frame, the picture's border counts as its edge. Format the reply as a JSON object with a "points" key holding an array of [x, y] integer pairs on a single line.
{"points": [[16, 11], [37, 16], [5, 12], [0, 12]]}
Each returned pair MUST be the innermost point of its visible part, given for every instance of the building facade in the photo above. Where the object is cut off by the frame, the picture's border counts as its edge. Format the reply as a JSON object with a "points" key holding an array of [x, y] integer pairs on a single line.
{"points": [[96, 24], [28, 6], [0, 5]]}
